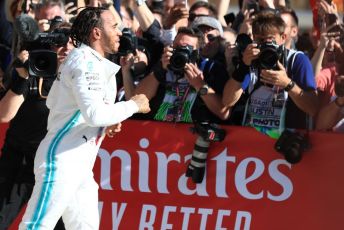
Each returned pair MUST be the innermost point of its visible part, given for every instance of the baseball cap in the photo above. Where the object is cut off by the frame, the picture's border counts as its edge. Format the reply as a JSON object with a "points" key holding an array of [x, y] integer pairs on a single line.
{"points": [[208, 21]]}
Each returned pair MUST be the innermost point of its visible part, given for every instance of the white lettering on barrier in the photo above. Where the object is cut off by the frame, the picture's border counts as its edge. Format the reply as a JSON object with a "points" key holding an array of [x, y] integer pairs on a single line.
{"points": [[221, 177], [148, 217], [147, 210], [241, 179], [219, 219], [187, 212], [222, 159], [281, 179], [164, 222], [243, 217], [205, 212], [117, 215]]}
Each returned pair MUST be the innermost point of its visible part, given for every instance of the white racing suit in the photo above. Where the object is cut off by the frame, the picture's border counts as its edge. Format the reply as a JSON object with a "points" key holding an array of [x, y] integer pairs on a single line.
{"points": [[81, 103]]}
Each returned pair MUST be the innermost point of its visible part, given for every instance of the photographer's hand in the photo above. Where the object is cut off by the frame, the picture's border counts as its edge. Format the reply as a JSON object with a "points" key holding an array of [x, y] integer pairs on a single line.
{"points": [[251, 52], [326, 8], [246, 25], [230, 52], [23, 56], [194, 76], [177, 12], [165, 59], [43, 25], [69, 9], [277, 78], [126, 62]]}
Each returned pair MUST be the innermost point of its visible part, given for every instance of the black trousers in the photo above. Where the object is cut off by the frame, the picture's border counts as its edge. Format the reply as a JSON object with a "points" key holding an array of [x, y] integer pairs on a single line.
{"points": [[16, 182]]}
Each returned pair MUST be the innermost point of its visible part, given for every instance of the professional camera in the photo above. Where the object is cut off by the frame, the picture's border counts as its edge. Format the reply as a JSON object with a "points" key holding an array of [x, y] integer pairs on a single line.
{"points": [[42, 61], [292, 145], [241, 42], [182, 55], [55, 22], [207, 132], [128, 42], [270, 54]]}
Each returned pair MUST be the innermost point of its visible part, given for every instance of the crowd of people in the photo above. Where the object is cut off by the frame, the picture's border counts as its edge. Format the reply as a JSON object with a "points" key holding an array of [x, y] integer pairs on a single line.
{"points": [[71, 71]]}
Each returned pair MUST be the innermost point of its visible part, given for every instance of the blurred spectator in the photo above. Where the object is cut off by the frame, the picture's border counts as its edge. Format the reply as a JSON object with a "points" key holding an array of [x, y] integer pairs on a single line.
{"points": [[202, 8], [291, 26]]}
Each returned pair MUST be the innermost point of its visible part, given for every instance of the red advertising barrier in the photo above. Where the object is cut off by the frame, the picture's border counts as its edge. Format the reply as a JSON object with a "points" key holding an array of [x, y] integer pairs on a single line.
{"points": [[142, 183]]}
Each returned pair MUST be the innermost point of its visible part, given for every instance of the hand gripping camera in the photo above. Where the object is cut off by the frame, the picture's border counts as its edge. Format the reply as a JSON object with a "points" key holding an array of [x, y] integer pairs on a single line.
{"points": [[182, 55], [270, 54], [207, 132], [42, 60], [292, 145]]}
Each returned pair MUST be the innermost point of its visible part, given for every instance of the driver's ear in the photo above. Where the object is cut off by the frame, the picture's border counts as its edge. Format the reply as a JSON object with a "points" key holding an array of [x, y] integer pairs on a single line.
{"points": [[96, 33]]}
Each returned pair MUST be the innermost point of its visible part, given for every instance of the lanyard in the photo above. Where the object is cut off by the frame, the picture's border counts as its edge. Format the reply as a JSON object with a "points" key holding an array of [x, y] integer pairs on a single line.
{"points": [[180, 103]]}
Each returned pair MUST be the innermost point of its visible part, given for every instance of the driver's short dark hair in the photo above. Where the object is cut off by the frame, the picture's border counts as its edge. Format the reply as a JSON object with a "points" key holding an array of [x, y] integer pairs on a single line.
{"points": [[84, 23]]}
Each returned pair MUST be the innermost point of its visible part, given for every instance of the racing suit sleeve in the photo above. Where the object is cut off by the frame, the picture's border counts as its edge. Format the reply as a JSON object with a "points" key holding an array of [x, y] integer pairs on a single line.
{"points": [[92, 90]]}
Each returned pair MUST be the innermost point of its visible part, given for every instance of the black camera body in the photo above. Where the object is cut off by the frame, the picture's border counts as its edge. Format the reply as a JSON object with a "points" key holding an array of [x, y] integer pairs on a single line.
{"points": [[207, 132], [182, 55], [128, 42], [42, 61], [292, 145], [270, 54]]}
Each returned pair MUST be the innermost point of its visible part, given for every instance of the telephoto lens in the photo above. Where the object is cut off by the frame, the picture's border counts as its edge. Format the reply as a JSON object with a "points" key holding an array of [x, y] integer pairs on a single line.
{"points": [[196, 168]]}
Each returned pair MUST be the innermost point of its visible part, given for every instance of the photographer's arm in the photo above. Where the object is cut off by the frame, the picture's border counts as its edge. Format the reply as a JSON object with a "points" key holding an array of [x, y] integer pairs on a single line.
{"points": [[14, 97], [144, 15], [330, 114], [128, 83], [231, 93], [222, 6], [319, 53], [148, 86], [214, 103], [211, 98], [9, 106], [306, 100]]}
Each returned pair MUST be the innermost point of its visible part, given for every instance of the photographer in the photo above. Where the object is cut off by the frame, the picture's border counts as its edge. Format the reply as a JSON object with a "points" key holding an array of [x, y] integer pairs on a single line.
{"points": [[24, 106], [278, 82], [46, 11], [178, 89]]}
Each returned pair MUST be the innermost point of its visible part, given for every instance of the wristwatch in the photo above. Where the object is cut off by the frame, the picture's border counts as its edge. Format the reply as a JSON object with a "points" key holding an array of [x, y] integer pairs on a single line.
{"points": [[290, 85], [203, 90], [139, 2]]}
